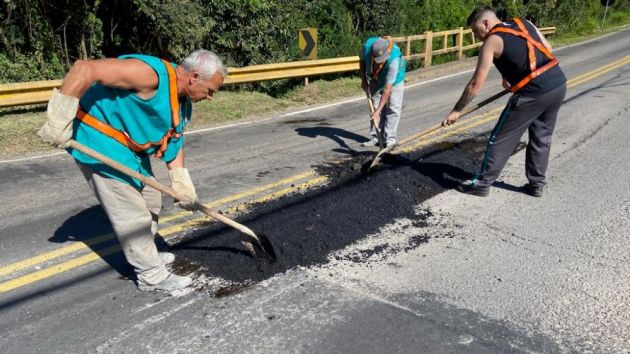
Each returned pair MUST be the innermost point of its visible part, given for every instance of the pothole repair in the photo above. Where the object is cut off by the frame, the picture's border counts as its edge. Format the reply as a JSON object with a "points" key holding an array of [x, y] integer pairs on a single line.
{"points": [[306, 228]]}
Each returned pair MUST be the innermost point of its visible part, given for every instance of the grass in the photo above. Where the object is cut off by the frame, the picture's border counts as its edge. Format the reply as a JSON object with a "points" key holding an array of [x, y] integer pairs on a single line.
{"points": [[18, 133], [18, 127], [235, 105]]}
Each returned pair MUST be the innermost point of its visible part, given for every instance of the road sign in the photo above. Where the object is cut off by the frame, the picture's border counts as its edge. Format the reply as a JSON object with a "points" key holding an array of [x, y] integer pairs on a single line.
{"points": [[307, 41]]}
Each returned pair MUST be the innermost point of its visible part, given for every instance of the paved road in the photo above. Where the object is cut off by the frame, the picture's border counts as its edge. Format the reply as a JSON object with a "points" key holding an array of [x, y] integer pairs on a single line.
{"points": [[507, 273]]}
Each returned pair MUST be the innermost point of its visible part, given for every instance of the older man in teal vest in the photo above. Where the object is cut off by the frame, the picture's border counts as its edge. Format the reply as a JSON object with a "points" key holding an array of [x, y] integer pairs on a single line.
{"points": [[382, 71], [129, 109]]}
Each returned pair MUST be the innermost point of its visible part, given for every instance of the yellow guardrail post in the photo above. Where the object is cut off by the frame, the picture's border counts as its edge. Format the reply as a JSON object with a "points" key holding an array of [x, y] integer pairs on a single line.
{"points": [[460, 43], [428, 48]]}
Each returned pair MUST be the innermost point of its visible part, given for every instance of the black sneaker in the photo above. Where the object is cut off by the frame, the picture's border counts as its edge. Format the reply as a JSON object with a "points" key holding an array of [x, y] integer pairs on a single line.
{"points": [[534, 191], [468, 187], [370, 143]]}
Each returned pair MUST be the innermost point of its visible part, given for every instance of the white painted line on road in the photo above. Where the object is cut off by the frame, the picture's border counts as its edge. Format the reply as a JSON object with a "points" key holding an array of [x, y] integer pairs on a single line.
{"points": [[126, 334], [586, 41], [440, 78], [318, 107], [33, 157]]}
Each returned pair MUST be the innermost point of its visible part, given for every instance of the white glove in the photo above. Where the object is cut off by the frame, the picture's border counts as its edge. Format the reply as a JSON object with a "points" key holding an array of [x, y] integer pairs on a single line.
{"points": [[62, 109], [182, 184]]}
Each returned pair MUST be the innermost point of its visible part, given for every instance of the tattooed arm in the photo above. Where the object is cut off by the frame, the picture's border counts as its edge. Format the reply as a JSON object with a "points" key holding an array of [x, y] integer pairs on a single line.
{"points": [[492, 48]]}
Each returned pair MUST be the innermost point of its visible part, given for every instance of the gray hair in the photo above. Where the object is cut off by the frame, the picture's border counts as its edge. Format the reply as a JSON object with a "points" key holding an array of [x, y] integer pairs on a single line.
{"points": [[205, 62]]}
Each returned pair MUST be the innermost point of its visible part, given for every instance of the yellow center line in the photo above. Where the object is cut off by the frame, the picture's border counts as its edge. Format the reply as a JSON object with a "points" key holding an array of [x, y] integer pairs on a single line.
{"points": [[600, 72], [175, 229], [169, 231], [44, 257], [243, 194], [492, 114], [95, 256], [78, 246]]}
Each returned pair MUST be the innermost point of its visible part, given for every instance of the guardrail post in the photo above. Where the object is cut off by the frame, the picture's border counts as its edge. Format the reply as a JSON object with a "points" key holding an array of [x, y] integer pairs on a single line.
{"points": [[428, 48], [460, 43], [408, 49]]}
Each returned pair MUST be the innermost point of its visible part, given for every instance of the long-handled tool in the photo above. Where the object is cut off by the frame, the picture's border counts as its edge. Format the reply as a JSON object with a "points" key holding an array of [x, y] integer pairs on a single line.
{"points": [[466, 111], [372, 122], [258, 246]]}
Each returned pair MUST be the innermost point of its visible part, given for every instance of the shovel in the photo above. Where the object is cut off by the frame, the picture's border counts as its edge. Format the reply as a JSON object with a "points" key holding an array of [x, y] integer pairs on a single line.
{"points": [[376, 128], [466, 111], [259, 246]]}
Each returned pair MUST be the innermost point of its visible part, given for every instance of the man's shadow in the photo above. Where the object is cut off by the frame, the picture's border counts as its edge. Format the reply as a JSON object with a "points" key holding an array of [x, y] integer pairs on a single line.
{"points": [[445, 175], [92, 227], [335, 134]]}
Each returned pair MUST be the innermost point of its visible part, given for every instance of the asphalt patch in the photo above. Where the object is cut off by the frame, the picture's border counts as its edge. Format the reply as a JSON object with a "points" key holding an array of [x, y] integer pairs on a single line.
{"points": [[305, 228]]}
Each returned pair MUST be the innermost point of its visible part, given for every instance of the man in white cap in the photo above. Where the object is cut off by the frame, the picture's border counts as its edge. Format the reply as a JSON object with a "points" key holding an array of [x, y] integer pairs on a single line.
{"points": [[382, 71]]}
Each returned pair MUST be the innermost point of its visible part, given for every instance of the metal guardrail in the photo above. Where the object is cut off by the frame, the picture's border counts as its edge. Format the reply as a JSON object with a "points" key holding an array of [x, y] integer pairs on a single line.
{"points": [[36, 92]]}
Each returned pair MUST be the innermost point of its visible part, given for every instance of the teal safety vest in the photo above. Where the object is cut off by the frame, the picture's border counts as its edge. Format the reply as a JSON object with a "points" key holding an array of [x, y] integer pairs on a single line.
{"points": [[367, 59], [143, 121]]}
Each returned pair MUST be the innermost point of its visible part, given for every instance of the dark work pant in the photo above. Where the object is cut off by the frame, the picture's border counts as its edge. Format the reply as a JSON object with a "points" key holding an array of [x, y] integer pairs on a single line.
{"points": [[534, 113]]}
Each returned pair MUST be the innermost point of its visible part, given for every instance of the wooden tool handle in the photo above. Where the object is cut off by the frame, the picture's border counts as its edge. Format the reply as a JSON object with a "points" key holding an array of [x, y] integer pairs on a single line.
{"points": [[155, 184], [492, 98], [372, 110], [466, 111]]}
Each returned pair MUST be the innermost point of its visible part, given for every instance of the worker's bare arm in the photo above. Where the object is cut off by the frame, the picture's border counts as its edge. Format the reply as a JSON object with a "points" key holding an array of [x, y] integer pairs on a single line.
{"points": [[128, 74], [491, 48], [544, 40], [178, 161]]}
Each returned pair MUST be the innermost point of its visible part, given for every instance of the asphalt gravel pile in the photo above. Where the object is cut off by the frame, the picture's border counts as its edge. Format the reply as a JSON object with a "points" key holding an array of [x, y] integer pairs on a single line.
{"points": [[305, 228]]}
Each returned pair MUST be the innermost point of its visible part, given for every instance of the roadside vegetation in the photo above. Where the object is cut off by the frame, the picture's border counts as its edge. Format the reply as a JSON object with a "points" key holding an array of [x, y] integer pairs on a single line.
{"points": [[39, 40]]}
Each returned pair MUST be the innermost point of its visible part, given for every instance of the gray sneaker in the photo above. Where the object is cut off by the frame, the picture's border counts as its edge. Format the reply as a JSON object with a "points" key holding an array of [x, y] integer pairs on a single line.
{"points": [[167, 257], [390, 144], [171, 283]]}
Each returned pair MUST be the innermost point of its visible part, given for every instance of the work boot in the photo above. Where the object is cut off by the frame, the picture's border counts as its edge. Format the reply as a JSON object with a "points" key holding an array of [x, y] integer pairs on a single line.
{"points": [[370, 143], [534, 191], [171, 283], [167, 257], [468, 187], [390, 144]]}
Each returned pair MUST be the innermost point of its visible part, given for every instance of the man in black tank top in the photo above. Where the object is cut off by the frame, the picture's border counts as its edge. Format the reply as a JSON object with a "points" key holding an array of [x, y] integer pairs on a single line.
{"points": [[523, 57]]}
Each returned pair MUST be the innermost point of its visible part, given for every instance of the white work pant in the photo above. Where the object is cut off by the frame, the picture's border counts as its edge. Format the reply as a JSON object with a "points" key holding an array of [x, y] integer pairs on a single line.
{"points": [[390, 116], [133, 215]]}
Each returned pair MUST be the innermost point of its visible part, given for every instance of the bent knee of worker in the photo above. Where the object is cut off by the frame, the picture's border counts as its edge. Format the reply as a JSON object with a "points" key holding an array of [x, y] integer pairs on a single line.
{"points": [[134, 225], [153, 198]]}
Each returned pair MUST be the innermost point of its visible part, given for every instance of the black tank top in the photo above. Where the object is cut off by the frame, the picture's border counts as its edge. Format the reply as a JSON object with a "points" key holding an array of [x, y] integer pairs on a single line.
{"points": [[513, 63]]}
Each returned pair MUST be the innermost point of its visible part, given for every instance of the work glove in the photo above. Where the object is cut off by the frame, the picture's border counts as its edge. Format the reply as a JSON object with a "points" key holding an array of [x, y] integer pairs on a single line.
{"points": [[61, 111], [182, 184]]}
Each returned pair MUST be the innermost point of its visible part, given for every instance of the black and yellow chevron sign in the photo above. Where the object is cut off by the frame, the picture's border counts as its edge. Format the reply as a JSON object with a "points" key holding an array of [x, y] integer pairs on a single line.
{"points": [[307, 41]]}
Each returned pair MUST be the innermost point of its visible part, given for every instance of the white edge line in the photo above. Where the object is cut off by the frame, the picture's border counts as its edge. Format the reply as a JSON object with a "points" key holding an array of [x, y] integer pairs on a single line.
{"points": [[33, 157], [314, 108], [588, 40]]}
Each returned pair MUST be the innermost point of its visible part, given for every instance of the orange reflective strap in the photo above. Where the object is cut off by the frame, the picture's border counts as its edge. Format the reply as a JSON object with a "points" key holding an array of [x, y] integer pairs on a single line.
{"points": [[172, 90], [375, 73], [530, 47], [533, 75], [109, 131], [531, 53], [124, 139]]}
